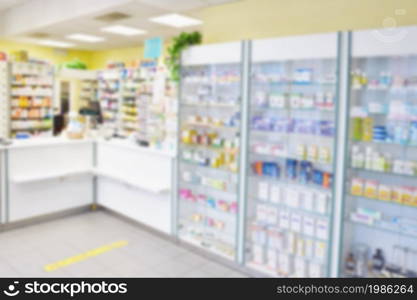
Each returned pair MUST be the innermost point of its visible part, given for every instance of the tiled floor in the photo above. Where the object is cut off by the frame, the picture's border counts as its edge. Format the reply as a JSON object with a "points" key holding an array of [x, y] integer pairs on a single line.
{"points": [[24, 252]]}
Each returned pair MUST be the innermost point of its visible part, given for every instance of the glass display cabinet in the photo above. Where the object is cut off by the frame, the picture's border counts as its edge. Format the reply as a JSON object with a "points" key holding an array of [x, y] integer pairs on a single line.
{"points": [[209, 147], [380, 203], [292, 123]]}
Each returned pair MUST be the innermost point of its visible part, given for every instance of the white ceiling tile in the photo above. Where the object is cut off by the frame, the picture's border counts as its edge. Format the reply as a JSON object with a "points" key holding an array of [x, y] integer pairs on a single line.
{"points": [[177, 5], [140, 10]]}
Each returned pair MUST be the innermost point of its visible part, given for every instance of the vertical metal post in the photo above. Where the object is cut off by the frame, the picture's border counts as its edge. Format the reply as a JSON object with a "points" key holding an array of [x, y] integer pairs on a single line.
{"points": [[341, 150], [6, 187], [95, 177], [244, 146], [2, 186], [175, 207]]}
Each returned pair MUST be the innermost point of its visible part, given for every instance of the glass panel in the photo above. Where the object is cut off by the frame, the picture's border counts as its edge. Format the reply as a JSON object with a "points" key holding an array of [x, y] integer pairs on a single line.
{"points": [[380, 232], [292, 134], [209, 155]]}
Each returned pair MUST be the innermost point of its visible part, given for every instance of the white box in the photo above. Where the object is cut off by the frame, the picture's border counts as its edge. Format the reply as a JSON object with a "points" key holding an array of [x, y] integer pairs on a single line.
{"points": [[300, 267], [309, 248], [308, 200], [292, 197], [285, 264], [322, 229], [263, 191], [276, 194], [320, 249], [284, 219], [315, 270], [272, 259], [321, 202], [296, 222], [308, 226], [300, 247], [258, 255], [272, 215]]}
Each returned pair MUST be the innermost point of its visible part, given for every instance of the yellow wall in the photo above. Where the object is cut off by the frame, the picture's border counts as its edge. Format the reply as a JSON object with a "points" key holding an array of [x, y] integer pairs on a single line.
{"points": [[46, 53], [100, 58], [250, 19]]}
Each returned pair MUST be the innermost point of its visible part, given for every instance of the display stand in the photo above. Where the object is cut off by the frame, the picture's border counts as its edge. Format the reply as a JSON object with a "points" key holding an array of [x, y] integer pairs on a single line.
{"points": [[31, 105], [380, 224], [208, 159], [135, 182]]}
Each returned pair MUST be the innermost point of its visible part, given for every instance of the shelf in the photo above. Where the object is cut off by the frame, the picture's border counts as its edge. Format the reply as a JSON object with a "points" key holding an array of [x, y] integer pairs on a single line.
{"points": [[206, 207], [32, 129], [31, 84], [295, 83], [383, 229], [209, 105], [364, 88], [187, 124], [153, 187], [376, 143], [262, 269], [297, 110], [208, 148], [382, 201], [285, 181], [200, 186], [108, 98], [31, 95], [291, 208], [314, 162], [381, 172], [195, 165], [51, 176], [31, 119], [197, 243], [32, 107], [290, 134]]}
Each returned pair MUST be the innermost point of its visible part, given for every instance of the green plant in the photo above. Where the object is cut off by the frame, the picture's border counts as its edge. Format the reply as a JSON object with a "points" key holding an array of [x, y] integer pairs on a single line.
{"points": [[180, 42]]}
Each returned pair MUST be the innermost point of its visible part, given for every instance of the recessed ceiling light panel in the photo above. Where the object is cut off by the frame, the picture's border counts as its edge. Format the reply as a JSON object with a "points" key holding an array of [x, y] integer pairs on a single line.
{"points": [[113, 17], [85, 38], [54, 43], [123, 30], [176, 20]]}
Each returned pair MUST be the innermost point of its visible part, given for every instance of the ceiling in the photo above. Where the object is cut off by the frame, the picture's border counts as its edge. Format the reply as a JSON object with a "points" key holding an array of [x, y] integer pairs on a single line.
{"points": [[5, 4], [55, 19]]}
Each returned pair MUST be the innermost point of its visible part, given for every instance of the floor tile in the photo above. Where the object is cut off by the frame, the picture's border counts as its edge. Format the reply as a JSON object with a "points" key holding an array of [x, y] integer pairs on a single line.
{"points": [[26, 251]]}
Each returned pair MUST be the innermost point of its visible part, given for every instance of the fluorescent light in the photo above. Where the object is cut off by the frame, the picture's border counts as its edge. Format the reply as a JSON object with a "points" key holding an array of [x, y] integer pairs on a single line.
{"points": [[85, 38], [176, 20], [53, 43], [123, 30]]}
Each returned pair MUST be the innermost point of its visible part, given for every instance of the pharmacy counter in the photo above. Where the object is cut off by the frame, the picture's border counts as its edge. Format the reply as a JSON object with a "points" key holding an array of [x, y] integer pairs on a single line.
{"points": [[2, 183], [47, 175], [135, 181]]}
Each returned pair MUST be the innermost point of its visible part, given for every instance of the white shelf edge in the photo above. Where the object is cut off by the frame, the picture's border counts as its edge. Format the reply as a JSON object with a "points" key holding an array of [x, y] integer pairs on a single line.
{"points": [[150, 187], [153, 188], [36, 178]]}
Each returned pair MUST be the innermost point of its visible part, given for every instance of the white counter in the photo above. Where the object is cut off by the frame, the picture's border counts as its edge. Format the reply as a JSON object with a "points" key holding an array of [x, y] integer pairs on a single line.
{"points": [[131, 145], [46, 142], [135, 181], [48, 175]]}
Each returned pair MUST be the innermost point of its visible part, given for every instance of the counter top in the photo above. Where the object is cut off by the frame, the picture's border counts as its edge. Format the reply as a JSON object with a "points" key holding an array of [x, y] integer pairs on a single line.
{"points": [[56, 141], [42, 142], [133, 146]]}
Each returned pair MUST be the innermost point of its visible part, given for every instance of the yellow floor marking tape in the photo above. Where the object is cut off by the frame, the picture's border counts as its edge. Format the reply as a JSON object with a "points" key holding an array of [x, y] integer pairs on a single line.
{"points": [[83, 256]]}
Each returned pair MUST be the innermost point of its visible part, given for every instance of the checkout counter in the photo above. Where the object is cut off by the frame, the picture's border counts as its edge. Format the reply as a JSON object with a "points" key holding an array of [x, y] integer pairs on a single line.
{"points": [[45, 176]]}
